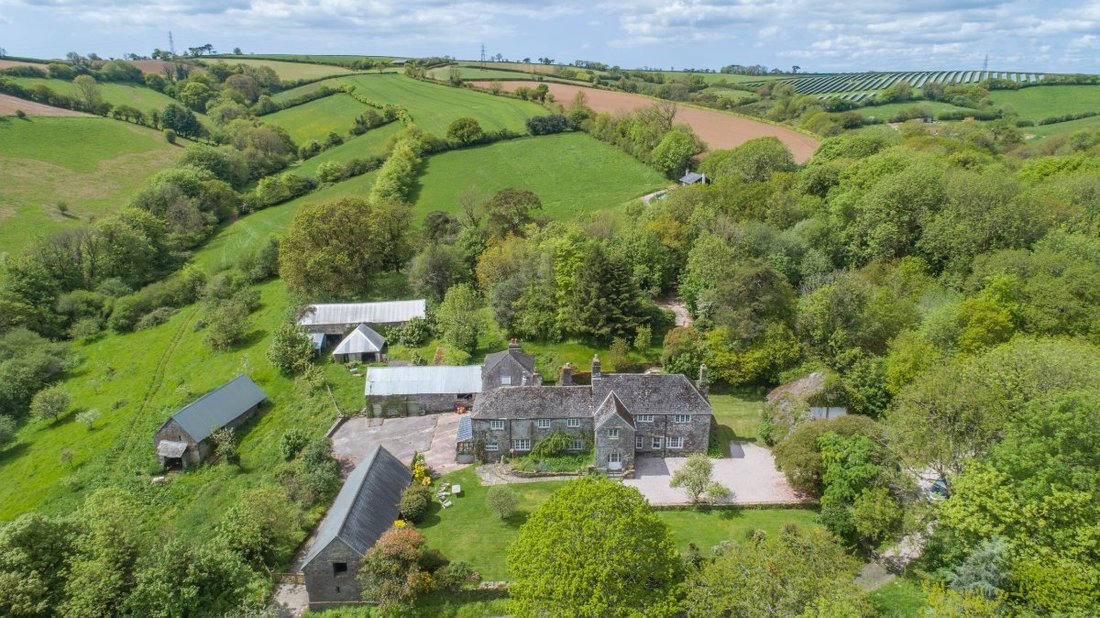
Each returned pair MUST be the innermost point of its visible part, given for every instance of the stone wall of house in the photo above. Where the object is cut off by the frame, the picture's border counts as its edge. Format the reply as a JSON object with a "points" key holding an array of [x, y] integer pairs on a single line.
{"points": [[525, 428], [623, 444], [696, 435], [415, 405], [324, 585]]}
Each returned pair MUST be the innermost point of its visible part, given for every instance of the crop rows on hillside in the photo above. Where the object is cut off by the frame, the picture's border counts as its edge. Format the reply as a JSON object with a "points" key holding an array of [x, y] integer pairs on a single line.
{"points": [[858, 86]]}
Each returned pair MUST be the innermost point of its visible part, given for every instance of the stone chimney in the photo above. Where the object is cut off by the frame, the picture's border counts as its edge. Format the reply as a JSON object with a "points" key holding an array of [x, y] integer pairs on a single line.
{"points": [[513, 344], [566, 375], [703, 383], [596, 374]]}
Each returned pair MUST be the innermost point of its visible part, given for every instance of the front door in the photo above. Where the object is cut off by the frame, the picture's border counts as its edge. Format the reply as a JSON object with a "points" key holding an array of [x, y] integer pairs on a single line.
{"points": [[614, 460]]}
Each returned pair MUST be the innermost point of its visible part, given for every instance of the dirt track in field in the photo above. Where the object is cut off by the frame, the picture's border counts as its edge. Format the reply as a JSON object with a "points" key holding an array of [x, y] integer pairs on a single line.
{"points": [[8, 105], [719, 130]]}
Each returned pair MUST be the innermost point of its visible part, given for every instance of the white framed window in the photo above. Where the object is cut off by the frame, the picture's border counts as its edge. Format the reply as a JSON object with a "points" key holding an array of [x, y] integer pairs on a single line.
{"points": [[644, 418], [542, 423], [505, 380], [613, 432], [615, 457], [681, 418], [675, 442], [521, 444], [657, 443], [639, 442], [492, 446], [496, 425], [573, 422], [576, 445]]}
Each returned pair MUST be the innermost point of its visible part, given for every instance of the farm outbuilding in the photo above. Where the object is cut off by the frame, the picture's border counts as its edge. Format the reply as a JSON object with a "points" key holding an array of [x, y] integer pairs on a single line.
{"points": [[691, 178], [409, 391], [364, 509], [362, 344], [337, 318], [184, 439]]}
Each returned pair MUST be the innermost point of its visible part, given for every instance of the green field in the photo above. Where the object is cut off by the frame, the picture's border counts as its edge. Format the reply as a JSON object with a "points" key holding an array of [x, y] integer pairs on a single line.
{"points": [[90, 164], [433, 106], [140, 97], [471, 532], [370, 144], [474, 72], [571, 173], [290, 71], [885, 112], [1062, 128], [335, 59], [314, 120], [1039, 102]]}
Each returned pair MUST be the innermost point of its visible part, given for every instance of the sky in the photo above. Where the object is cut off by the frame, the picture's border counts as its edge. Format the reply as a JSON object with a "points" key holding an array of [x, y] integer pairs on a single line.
{"points": [[816, 35]]}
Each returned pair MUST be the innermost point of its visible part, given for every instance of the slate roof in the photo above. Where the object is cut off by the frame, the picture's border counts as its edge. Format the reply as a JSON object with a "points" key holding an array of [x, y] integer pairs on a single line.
{"points": [[691, 178], [612, 407], [363, 339], [525, 360], [348, 314], [534, 402], [654, 393], [430, 380], [366, 506], [218, 408], [465, 429]]}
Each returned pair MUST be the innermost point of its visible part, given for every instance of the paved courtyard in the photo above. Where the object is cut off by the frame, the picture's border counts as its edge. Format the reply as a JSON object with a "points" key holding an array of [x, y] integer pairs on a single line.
{"points": [[749, 473], [432, 434]]}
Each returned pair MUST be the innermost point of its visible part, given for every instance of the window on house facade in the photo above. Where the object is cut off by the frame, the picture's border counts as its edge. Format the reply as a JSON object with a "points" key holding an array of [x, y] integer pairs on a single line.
{"points": [[542, 423], [681, 418], [639, 442], [492, 446], [339, 567], [573, 422], [675, 442], [613, 432], [656, 443], [644, 418], [505, 380], [496, 425], [576, 445], [521, 444]]}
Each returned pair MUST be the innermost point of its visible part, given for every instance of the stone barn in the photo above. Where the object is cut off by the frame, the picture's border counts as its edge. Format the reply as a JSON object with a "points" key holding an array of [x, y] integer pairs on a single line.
{"points": [[364, 509], [411, 391], [184, 439]]}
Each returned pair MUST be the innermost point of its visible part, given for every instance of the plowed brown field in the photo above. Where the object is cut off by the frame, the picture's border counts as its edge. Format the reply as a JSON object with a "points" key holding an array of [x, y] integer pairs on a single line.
{"points": [[717, 129], [8, 105]]}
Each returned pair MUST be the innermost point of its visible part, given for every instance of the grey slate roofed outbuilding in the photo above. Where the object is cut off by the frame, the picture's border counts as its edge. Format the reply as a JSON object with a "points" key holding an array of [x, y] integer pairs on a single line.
{"points": [[436, 380], [366, 506], [219, 407], [389, 312], [362, 340], [658, 393], [534, 402], [525, 360]]}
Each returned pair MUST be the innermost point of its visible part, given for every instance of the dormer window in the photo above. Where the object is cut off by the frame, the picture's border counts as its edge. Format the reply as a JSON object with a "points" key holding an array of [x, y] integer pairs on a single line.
{"points": [[505, 380], [613, 433]]}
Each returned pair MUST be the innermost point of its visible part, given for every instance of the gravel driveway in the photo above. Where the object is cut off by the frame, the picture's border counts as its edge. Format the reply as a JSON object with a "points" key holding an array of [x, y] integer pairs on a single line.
{"points": [[432, 434], [750, 474]]}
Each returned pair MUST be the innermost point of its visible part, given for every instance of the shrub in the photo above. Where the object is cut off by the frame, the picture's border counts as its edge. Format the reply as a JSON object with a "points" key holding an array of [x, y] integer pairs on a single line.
{"points": [[88, 417], [456, 576], [156, 317], [292, 442], [227, 324], [170, 136], [502, 500], [7, 430], [464, 131], [546, 125], [20, 114], [553, 445], [330, 171], [415, 501], [291, 350], [86, 328], [414, 333]]}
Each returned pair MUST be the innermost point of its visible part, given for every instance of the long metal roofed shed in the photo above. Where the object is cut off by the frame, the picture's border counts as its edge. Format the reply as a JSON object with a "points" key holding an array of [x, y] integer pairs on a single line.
{"points": [[336, 318], [364, 509], [184, 435], [429, 380]]}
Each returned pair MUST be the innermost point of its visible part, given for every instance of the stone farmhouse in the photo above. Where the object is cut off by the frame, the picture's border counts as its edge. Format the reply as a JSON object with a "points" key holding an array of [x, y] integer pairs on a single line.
{"points": [[184, 439], [620, 416], [364, 509]]}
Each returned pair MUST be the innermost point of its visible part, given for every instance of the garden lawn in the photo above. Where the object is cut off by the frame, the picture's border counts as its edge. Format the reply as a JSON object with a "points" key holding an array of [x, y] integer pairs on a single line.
{"points": [[901, 598], [1039, 102], [316, 119], [90, 164], [738, 415], [291, 71], [433, 106], [470, 531], [572, 173], [370, 144]]}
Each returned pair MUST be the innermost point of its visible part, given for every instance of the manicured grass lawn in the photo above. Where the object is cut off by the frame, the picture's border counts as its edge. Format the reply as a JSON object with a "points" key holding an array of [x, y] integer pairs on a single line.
{"points": [[739, 413], [371, 143], [144, 99], [314, 120], [90, 164], [433, 106], [1040, 102], [901, 598], [290, 71], [472, 532], [572, 173]]}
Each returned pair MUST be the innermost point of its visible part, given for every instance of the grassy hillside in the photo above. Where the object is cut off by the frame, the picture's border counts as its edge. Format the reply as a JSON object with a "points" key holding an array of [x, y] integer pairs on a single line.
{"points": [[336, 59], [371, 143], [432, 106], [290, 71], [140, 97], [884, 112], [476, 72], [572, 173], [1063, 128], [90, 164], [1047, 101], [314, 120]]}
